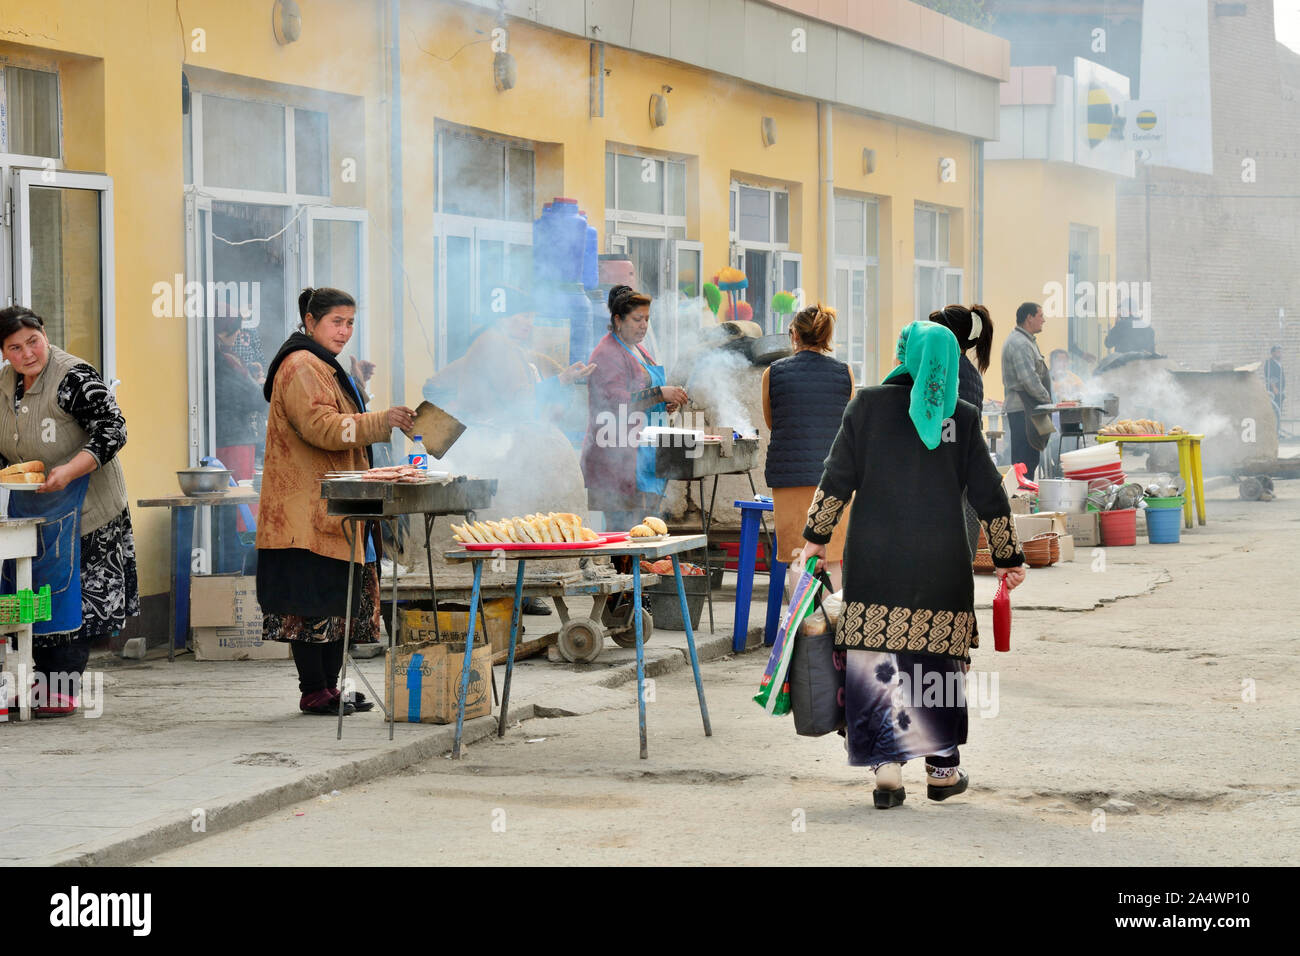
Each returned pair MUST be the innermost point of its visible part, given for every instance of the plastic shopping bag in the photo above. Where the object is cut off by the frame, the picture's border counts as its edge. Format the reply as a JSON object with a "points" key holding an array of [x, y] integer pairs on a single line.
{"points": [[774, 690], [816, 677]]}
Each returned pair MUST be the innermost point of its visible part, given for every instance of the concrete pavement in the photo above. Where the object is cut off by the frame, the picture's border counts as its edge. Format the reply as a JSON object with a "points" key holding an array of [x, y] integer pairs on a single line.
{"points": [[189, 748]]}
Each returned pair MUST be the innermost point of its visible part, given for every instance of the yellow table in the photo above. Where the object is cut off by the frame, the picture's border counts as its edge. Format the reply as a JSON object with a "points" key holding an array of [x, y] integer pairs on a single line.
{"points": [[1189, 466]]}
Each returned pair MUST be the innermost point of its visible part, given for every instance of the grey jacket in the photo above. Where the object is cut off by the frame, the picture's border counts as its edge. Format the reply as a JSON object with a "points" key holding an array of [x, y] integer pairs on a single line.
{"points": [[1024, 370]]}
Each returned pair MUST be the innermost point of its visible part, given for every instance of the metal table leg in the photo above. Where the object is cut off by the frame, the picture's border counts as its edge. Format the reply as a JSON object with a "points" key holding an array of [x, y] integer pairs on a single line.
{"points": [[433, 588], [349, 535], [690, 642], [394, 630], [640, 642], [510, 658], [706, 522], [475, 595]]}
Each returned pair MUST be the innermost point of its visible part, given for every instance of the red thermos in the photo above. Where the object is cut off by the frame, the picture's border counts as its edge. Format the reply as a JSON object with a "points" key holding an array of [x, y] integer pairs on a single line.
{"points": [[1002, 617]]}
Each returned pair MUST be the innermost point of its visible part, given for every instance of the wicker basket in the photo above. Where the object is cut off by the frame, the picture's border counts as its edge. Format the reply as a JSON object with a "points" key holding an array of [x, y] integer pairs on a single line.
{"points": [[983, 563], [1042, 550]]}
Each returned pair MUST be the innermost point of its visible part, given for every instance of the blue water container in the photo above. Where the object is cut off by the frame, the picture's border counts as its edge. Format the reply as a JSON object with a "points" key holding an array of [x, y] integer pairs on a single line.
{"points": [[562, 304], [569, 241], [590, 256], [543, 241]]}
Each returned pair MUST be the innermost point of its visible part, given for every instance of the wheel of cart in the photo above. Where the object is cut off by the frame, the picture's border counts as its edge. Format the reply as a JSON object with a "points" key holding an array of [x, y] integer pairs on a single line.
{"points": [[617, 617], [581, 640]]}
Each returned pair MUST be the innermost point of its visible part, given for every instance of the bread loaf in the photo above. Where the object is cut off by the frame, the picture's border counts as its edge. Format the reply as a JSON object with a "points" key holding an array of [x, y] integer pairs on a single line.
{"points": [[22, 468], [655, 524], [641, 531]]}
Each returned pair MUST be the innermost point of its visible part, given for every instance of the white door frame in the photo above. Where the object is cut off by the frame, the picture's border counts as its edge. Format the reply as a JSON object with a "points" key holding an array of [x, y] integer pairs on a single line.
{"points": [[22, 181]]}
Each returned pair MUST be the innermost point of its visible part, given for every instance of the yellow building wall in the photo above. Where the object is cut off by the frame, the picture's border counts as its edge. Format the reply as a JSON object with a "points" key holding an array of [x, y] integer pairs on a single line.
{"points": [[1029, 208], [906, 173], [121, 66]]}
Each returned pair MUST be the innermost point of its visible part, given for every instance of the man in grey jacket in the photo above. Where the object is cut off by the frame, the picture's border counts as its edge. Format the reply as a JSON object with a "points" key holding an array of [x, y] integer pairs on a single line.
{"points": [[1024, 378]]}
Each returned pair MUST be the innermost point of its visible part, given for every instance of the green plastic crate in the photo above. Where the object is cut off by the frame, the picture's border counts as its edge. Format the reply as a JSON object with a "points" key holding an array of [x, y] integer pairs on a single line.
{"points": [[26, 607]]}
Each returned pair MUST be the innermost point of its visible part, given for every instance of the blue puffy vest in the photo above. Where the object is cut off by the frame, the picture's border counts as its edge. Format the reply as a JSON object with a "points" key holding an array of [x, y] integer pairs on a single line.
{"points": [[808, 392]]}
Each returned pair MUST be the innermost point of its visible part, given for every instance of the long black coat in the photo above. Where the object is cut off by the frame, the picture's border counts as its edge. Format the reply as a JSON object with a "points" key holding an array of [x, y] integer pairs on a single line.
{"points": [[907, 569]]}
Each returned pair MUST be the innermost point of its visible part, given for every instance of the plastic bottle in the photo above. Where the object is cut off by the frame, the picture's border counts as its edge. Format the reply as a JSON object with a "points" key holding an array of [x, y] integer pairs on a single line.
{"points": [[418, 457], [1002, 617]]}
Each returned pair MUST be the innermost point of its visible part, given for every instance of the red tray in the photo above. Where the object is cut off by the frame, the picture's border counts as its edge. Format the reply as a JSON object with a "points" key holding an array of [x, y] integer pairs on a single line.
{"points": [[606, 537]]}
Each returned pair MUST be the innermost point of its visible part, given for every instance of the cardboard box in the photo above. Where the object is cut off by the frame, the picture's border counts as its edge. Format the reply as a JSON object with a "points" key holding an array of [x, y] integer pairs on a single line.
{"points": [[1027, 526], [1067, 547], [1057, 518], [427, 678], [417, 626], [226, 620], [1085, 529]]}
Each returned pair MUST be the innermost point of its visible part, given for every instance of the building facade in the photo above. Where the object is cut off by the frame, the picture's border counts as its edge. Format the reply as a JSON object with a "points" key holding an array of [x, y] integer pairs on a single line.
{"points": [[167, 165]]}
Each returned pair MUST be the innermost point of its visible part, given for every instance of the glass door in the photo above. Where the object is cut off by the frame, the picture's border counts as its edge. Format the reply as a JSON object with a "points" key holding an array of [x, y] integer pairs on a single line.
{"points": [[63, 259], [851, 326], [337, 257], [685, 295], [789, 278], [756, 264]]}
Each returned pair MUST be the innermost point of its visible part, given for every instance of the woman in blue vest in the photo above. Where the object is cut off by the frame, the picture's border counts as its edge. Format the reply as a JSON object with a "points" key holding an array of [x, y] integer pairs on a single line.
{"points": [[803, 400]]}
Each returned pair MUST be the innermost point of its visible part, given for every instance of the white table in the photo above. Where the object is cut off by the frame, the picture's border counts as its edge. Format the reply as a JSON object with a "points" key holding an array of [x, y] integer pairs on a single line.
{"points": [[18, 543]]}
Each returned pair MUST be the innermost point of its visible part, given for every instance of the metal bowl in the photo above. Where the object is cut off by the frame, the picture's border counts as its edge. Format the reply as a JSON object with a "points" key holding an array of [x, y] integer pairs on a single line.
{"points": [[204, 481]]}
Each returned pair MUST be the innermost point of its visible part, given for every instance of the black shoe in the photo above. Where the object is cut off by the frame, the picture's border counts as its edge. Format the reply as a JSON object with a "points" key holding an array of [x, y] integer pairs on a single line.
{"points": [[535, 605], [943, 793], [361, 703], [885, 799]]}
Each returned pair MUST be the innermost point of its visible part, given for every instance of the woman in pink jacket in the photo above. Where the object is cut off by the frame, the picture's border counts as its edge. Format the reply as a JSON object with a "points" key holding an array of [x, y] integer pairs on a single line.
{"points": [[626, 392]]}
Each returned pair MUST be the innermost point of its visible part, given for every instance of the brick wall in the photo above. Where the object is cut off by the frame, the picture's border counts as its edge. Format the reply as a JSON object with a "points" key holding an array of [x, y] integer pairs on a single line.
{"points": [[1224, 254]]}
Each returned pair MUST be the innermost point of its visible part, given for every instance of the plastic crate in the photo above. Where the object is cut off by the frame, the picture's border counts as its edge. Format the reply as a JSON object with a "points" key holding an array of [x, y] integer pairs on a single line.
{"points": [[26, 607]]}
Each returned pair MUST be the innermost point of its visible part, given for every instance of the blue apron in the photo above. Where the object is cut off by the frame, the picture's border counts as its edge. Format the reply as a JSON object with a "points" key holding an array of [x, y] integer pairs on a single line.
{"points": [[655, 415], [58, 551]]}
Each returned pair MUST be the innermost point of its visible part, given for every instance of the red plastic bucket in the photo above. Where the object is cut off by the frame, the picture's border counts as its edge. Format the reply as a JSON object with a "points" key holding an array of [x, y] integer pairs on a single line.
{"points": [[1119, 528]]}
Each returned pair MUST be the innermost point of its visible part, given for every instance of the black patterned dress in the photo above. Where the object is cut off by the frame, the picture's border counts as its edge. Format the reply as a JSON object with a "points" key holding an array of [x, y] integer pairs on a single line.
{"points": [[110, 590]]}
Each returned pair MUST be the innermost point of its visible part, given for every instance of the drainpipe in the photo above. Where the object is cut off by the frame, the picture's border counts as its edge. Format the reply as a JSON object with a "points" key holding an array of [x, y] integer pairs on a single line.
{"points": [[397, 363], [979, 222], [826, 243]]}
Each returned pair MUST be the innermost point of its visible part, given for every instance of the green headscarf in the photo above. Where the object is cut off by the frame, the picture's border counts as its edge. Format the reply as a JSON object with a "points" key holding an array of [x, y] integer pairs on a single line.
{"points": [[929, 354]]}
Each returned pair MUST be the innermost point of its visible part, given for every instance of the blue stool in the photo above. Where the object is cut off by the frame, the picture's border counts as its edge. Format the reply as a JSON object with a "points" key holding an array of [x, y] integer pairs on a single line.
{"points": [[751, 516]]}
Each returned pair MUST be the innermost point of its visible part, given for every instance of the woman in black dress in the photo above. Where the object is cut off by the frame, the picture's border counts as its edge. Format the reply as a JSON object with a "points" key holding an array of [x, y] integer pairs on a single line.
{"points": [[908, 620]]}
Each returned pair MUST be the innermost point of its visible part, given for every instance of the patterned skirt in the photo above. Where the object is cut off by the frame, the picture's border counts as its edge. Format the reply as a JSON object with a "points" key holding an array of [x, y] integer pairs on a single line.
{"points": [[322, 630], [110, 590], [899, 706]]}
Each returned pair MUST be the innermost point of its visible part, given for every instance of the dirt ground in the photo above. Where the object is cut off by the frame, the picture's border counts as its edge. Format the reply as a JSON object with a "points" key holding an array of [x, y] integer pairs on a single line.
{"points": [[1155, 730]]}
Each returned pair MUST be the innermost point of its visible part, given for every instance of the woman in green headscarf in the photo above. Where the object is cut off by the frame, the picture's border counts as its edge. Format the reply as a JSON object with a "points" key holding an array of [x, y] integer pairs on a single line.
{"points": [[905, 452]]}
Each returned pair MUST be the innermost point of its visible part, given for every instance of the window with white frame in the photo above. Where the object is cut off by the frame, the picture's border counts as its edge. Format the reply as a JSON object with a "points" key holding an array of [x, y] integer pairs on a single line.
{"points": [[30, 112], [56, 230], [645, 218], [260, 227], [483, 232], [856, 284], [937, 282], [759, 219]]}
